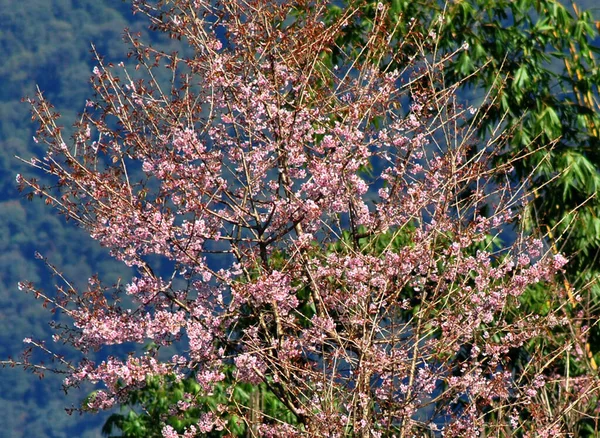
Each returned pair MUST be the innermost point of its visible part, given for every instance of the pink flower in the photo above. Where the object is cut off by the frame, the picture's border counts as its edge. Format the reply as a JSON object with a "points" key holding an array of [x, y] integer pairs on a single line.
{"points": [[169, 432]]}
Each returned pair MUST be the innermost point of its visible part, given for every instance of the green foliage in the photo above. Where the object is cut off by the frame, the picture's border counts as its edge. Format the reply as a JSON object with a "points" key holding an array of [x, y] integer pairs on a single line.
{"points": [[46, 43], [374, 244], [161, 395]]}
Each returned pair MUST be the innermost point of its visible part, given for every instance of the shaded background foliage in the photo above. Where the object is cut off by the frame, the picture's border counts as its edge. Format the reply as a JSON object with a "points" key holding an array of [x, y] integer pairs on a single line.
{"points": [[45, 43], [48, 43]]}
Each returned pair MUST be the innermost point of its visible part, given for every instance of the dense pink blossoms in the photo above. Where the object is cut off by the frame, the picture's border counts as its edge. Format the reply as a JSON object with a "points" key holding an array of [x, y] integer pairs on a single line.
{"points": [[360, 281]]}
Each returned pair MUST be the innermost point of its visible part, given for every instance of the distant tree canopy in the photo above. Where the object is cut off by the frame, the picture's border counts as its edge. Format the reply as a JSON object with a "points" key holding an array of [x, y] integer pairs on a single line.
{"points": [[46, 43]]}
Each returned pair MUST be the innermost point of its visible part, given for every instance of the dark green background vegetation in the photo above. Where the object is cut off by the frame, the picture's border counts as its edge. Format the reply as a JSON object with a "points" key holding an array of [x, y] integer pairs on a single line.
{"points": [[47, 42]]}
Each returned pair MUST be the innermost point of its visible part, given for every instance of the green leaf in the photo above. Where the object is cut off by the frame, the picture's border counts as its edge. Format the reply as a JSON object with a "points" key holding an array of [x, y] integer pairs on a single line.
{"points": [[521, 78]]}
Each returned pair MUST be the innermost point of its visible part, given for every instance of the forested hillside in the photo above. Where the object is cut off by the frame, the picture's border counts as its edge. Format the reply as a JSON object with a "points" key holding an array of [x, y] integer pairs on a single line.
{"points": [[45, 43], [48, 42]]}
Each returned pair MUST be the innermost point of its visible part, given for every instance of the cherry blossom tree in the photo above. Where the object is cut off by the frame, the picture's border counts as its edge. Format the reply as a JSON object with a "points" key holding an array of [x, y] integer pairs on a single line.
{"points": [[324, 229]]}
